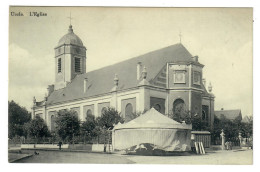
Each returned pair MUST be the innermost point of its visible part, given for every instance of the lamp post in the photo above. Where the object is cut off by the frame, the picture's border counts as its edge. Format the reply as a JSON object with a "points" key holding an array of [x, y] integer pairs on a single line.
{"points": [[222, 135], [240, 138]]}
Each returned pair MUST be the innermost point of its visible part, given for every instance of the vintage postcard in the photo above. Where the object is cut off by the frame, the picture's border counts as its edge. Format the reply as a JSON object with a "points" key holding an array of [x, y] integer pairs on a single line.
{"points": [[121, 85]]}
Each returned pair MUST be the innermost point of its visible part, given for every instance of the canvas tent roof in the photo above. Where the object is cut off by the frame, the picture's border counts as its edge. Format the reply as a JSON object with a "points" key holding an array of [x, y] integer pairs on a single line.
{"points": [[152, 119]]}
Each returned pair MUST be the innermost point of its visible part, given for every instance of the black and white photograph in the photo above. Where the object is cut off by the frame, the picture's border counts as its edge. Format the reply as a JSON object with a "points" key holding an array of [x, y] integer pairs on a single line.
{"points": [[130, 85]]}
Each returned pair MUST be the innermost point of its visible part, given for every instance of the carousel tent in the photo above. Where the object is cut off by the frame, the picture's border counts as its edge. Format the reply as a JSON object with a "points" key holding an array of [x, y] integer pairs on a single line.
{"points": [[154, 128]]}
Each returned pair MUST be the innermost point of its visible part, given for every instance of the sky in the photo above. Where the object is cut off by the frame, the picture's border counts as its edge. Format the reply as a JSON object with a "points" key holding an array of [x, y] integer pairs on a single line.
{"points": [[221, 37]]}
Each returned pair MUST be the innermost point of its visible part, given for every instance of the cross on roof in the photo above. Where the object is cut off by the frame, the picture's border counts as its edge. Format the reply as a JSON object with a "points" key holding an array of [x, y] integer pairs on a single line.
{"points": [[70, 18], [180, 35]]}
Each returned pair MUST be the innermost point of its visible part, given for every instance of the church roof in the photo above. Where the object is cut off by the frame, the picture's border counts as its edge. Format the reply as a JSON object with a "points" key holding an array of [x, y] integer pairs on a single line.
{"points": [[229, 114], [152, 119], [101, 81], [70, 38]]}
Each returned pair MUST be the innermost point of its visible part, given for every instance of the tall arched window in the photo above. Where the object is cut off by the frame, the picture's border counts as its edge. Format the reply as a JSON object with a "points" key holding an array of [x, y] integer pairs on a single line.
{"points": [[203, 115], [128, 112], [157, 107], [104, 109], [52, 123], [89, 113], [178, 108]]}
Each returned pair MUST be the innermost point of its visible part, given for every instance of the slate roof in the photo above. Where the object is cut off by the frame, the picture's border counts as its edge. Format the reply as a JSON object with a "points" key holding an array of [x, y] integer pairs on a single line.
{"points": [[70, 38], [152, 119], [101, 81], [229, 114]]}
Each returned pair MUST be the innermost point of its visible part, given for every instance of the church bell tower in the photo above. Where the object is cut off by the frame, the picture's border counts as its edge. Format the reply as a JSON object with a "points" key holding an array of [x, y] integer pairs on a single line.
{"points": [[70, 59]]}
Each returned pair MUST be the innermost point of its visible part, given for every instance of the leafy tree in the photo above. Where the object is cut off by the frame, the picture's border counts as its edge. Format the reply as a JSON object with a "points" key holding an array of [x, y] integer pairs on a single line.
{"points": [[231, 127], [136, 114], [198, 124], [109, 118], [37, 128], [89, 128], [247, 128], [17, 116], [180, 116], [106, 122], [67, 124]]}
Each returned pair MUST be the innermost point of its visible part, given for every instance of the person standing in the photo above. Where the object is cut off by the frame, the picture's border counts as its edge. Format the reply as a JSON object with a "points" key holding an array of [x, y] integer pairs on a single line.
{"points": [[59, 144]]}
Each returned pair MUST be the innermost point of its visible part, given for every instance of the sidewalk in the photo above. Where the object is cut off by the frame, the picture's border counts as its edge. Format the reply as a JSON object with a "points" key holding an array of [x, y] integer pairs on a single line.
{"points": [[69, 150], [12, 157]]}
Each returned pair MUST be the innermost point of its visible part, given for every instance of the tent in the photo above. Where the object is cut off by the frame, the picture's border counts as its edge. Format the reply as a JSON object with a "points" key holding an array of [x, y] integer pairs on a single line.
{"points": [[154, 128]]}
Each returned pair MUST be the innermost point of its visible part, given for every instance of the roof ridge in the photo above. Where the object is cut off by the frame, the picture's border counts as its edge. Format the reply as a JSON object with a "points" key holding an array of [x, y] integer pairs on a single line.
{"points": [[228, 110], [135, 57]]}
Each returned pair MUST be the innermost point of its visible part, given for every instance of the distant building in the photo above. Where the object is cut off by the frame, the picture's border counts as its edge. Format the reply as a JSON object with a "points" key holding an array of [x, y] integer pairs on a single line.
{"points": [[168, 79], [247, 119], [229, 114]]}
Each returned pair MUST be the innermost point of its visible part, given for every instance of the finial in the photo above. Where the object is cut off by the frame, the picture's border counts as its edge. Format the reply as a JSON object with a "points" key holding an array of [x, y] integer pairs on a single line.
{"points": [[180, 35], [45, 97], [70, 27], [144, 73], [34, 100], [116, 80], [210, 87]]}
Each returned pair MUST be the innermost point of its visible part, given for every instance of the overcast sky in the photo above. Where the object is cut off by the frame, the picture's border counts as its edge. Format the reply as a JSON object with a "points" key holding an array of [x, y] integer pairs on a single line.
{"points": [[221, 37]]}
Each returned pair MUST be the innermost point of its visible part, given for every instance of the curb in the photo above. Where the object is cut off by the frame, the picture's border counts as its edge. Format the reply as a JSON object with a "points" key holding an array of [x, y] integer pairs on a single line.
{"points": [[71, 150], [14, 161]]}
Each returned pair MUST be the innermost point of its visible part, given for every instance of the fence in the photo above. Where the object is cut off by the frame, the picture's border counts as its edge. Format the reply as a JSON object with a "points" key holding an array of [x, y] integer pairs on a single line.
{"points": [[202, 136], [81, 139]]}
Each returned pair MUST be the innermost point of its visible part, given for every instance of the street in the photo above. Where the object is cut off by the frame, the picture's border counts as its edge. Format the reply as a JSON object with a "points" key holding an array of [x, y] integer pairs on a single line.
{"points": [[216, 157]]}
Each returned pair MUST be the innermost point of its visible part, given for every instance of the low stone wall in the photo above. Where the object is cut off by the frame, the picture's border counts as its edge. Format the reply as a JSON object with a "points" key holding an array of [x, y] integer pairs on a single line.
{"points": [[98, 147], [43, 146], [86, 147]]}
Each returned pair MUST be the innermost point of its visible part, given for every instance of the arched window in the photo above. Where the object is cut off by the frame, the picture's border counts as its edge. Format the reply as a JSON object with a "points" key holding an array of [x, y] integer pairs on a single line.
{"points": [[157, 107], [128, 112], [52, 123], [204, 115], [178, 108], [77, 65], [89, 113], [104, 109]]}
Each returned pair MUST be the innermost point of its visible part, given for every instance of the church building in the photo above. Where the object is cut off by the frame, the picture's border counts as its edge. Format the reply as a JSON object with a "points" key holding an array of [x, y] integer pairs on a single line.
{"points": [[168, 79]]}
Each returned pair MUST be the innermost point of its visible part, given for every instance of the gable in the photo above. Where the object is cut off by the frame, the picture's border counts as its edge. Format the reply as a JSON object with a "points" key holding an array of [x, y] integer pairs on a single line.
{"points": [[229, 114]]}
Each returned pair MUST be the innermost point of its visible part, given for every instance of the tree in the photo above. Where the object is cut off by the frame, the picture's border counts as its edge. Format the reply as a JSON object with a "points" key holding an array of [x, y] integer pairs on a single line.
{"points": [[37, 128], [198, 124], [67, 124], [231, 127], [89, 128], [247, 128], [180, 116], [106, 122], [137, 114], [17, 116], [109, 118]]}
